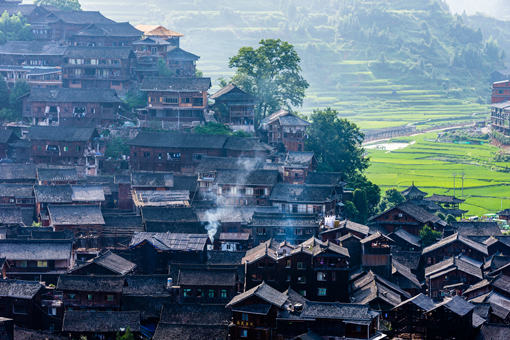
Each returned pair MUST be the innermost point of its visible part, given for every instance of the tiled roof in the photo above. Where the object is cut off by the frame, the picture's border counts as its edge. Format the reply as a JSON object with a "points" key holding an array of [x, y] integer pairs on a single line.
{"points": [[422, 301], [83, 321], [407, 237], [264, 292], [477, 228], [178, 140], [98, 52], [176, 84], [70, 95], [115, 29], [57, 174], [156, 30], [232, 93], [285, 118], [75, 215], [62, 134], [171, 241], [457, 238], [114, 263], [256, 177], [35, 47], [324, 178], [12, 171], [444, 199], [200, 277], [16, 190], [34, 250], [79, 283], [17, 289], [296, 193], [461, 263], [152, 179], [177, 53], [338, 311]]}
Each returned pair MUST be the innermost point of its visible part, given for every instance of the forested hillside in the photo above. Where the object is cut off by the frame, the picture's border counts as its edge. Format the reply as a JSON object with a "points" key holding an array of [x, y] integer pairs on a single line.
{"points": [[380, 62]]}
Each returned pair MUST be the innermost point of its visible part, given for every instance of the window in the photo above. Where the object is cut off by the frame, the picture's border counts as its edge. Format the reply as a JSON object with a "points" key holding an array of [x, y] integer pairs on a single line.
{"points": [[199, 293], [223, 294], [42, 264], [321, 292], [173, 156], [321, 276], [187, 292], [288, 278], [19, 309], [211, 294], [249, 191], [160, 156], [72, 296], [288, 264], [197, 156], [22, 264], [171, 100], [66, 148], [302, 208], [300, 265], [244, 317], [109, 298], [90, 297], [52, 311], [244, 333], [147, 155]]}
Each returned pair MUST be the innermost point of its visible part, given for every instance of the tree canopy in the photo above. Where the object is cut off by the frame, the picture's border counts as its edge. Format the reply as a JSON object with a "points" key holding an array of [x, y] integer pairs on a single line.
{"points": [[272, 73], [429, 236], [14, 27], [336, 143], [68, 5]]}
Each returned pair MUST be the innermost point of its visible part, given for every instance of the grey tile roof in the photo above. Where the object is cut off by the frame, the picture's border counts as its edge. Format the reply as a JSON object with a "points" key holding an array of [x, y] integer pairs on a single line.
{"points": [[494, 331], [82, 321], [195, 314], [53, 193], [11, 215], [234, 236], [370, 286], [422, 301], [19, 289], [444, 199], [209, 163], [152, 179], [413, 191], [77, 17], [256, 177], [177, 53], [76, 215], [406, 272], [407, 237], [171, 241], [410, 259], [168, 214], [165, 331], [35, 249], [114, 29], [315, 247], [217, 257], [458, 305], [99, 52], [5, 135], [35, 47], [457, 238], [57, 174], [477, 228], [12, 171], [324, 178], [337, 311], [461, 263], [299, 159], [200, 277], [232, 93], [246, 144], [63, 134], [285, 118], [284, 192], [146, 285], [176, 84], [70, 95], [502, 283], [115, 263], [79, 283], [264, 292], [284, 220], [178, 140]]}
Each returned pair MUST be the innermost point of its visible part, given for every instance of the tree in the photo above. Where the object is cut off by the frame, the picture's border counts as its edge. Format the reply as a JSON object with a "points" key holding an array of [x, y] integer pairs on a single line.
{"points": [[350, 211], [68, 5], [126, 336], [21, 88], [212, 128], [372, 191], [164, 70], [116, 148], [450, 219], [359, 198], [394, 197], [272, 73], [429, 236], [4, 94], [336, 143], [14, 27]]}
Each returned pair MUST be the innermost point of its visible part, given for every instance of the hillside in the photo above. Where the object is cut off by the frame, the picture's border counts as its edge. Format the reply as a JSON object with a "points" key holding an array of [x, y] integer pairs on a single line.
{"points": [[381, 63]]}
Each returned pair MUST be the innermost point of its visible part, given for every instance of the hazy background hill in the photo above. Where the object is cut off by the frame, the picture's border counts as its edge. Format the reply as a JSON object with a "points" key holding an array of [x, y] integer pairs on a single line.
{"points": [[382, 63]]}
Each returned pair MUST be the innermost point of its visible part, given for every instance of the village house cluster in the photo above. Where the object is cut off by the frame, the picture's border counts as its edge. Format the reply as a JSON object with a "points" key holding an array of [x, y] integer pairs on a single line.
{"points": [[196, 236]]}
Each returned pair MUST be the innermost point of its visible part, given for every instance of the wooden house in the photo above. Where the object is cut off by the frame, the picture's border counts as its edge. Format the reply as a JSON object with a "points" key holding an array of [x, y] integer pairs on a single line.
{"points": [[81, 219], [285, 131], [235, 108], [63, 145], [500, 92], [500, 117], [35, 76], [115, 34], [453, 317], [294, 228], [32, 53], [19, 301], [57, 176], [343, 228], [39, 260], [452, 246], [71, 107], [48, 23], [98, 67], [158, 31], [305, 199], [107, 263], [409, 217], [11, 216], [107, 325], [450, 204], [147, 294], [353, 244], [207, 286], [90, 292], [377, 292], [297, 166], [193, 321], [452, 275], [17, 173], [19, 195], [177, 102], [405, 241], [153, 252], [376, 254]]}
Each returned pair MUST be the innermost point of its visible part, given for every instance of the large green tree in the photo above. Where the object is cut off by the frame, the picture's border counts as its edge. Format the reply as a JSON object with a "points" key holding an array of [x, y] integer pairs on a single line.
{"points": [[272, 73], [336, 143], [14, 27], [68, 5]]}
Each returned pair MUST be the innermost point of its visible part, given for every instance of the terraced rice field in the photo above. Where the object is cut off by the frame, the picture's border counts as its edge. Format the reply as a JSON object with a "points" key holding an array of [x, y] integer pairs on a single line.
{"points": [[431, 165]]}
